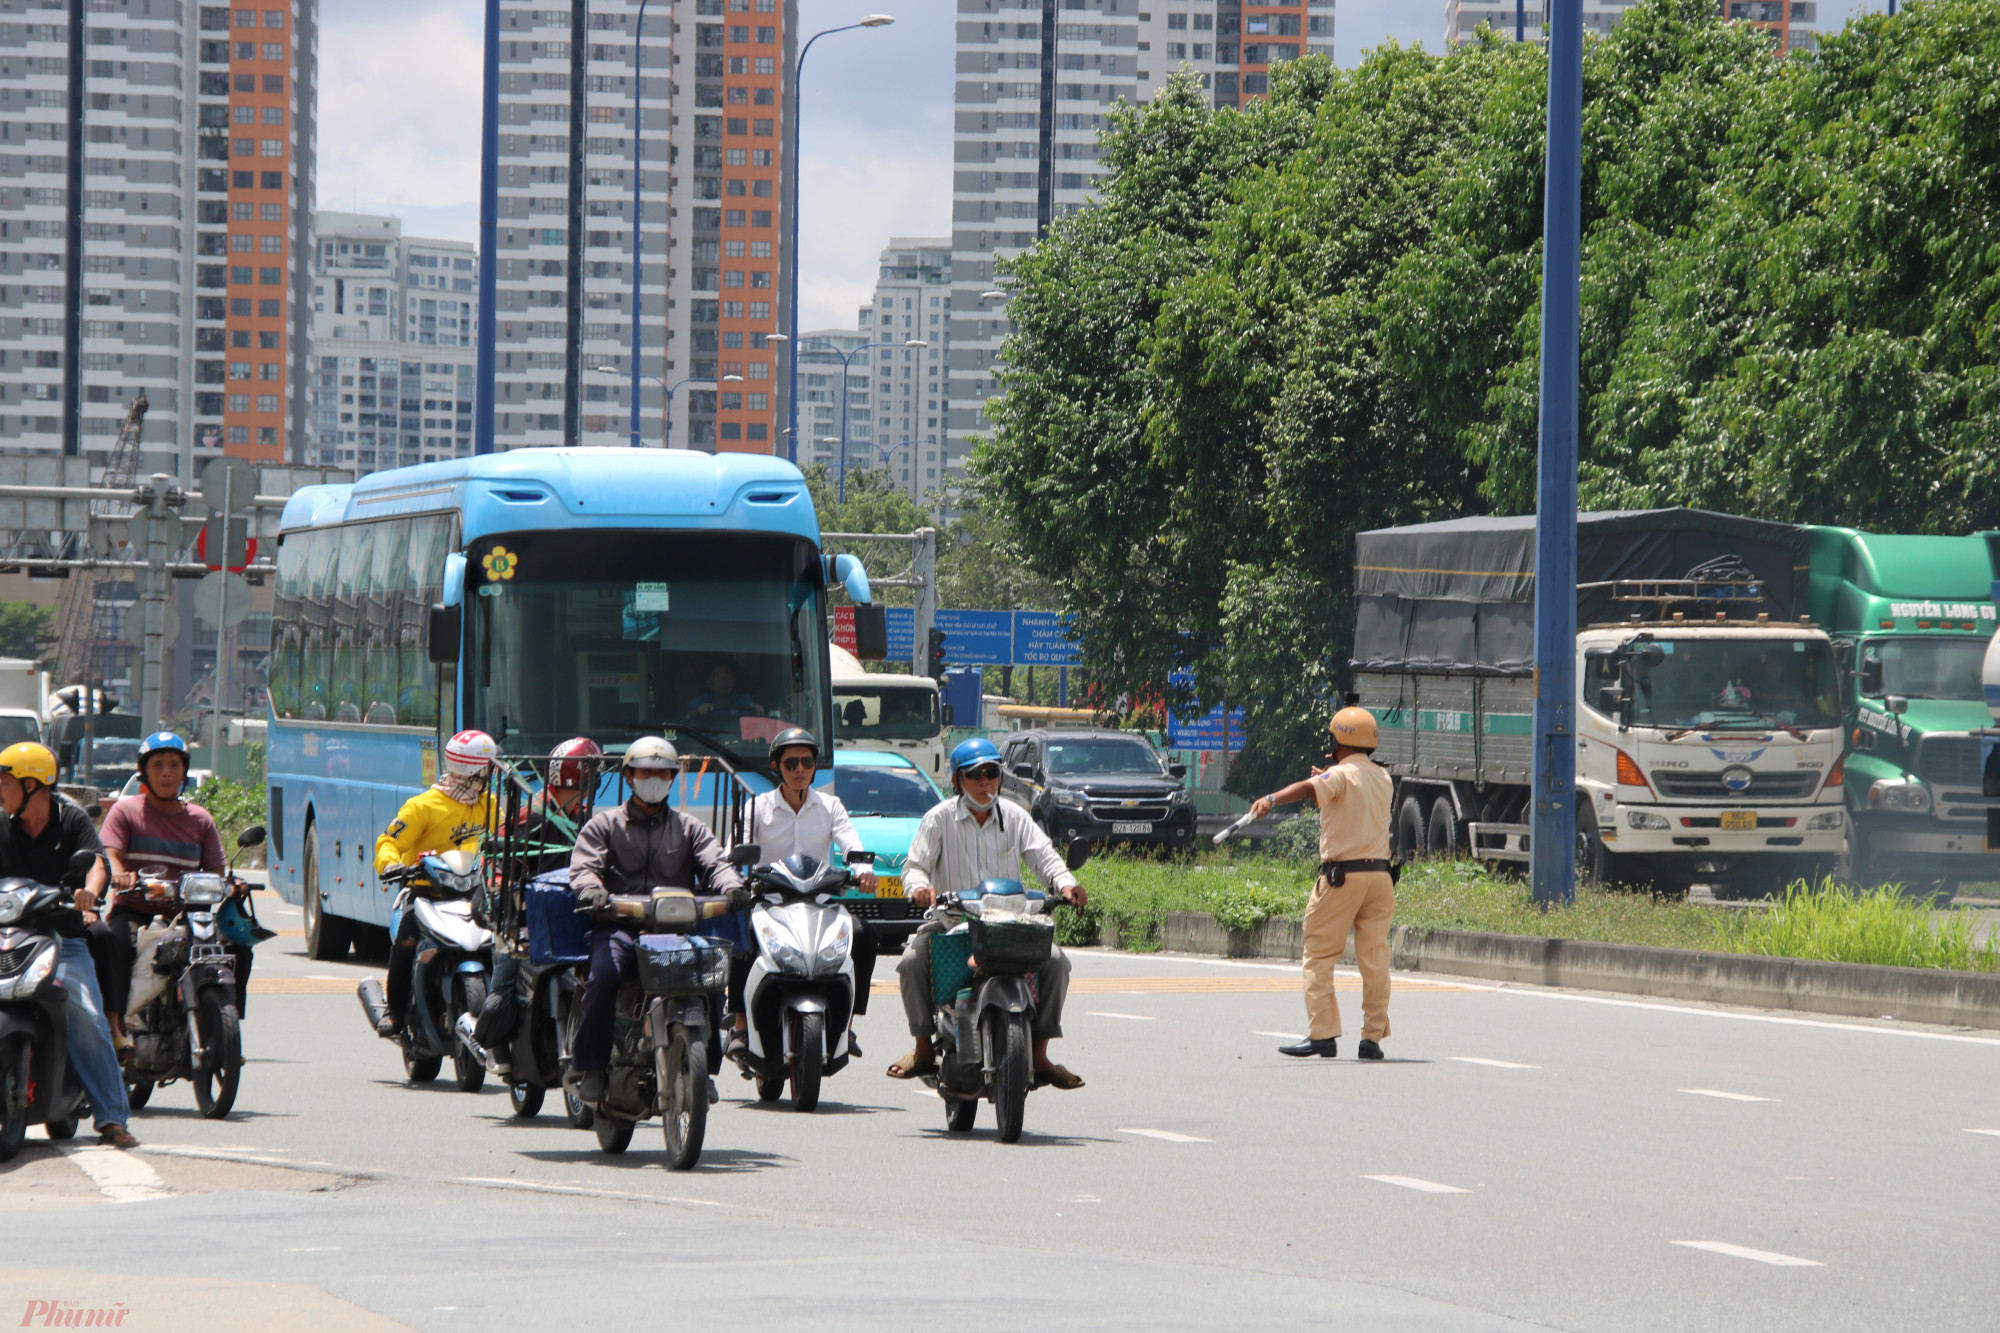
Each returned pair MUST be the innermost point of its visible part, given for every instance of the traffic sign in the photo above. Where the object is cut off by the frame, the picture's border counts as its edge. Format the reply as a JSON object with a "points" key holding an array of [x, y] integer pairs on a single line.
{"points": [[143, 531], [222, 599], [233, 476], [1206, 732], [1040, 639], [242, 546], [977, 638], [902, 624]]}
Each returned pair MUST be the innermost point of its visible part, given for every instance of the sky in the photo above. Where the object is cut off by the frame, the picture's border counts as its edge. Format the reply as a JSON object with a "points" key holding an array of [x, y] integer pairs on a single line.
{"points": [[399, 122]]}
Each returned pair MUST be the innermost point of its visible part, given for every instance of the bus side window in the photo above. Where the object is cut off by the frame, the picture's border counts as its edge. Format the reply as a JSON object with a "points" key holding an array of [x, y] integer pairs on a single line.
{"points": [[315, 614], [381, 619], [356, 553], [423, 584], [287, 603]]}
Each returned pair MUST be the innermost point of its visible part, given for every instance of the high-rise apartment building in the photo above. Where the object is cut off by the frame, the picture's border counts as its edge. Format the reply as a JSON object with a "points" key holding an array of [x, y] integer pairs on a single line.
{"points": [[910, 387], [394, 319], [1253, 35], [156, 165], [1788, 20]]}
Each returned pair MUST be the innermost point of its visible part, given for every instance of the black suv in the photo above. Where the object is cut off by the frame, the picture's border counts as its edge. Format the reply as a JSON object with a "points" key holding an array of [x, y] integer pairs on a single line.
{"points": [[1089, 789]]}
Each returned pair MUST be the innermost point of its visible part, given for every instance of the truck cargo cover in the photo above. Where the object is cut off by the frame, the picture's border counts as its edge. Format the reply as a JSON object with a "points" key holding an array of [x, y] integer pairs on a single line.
{"points": [[1459, 595]]}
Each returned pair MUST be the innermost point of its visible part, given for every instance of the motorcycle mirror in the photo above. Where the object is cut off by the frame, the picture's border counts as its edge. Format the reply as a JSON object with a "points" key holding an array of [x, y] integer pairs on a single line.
{"points": [[860, 858], [80, 867], [251, 837], [745, 854]]}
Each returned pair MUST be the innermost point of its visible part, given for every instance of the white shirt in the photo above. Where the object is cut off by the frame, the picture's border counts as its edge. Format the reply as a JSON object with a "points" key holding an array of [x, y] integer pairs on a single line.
{"points": [[814, 828], [953, 852]]}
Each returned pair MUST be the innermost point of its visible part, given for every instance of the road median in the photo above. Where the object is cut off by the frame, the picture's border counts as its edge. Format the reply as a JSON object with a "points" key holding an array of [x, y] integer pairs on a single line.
{"points": [[1909, 994]]}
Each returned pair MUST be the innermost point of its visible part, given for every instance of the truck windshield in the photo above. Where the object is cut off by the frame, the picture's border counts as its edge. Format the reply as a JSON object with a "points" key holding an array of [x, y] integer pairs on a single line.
{"points": [[887, 713], [1737, 682], [1930, 668], [15, 729], [1103, 756], [715, 640]]}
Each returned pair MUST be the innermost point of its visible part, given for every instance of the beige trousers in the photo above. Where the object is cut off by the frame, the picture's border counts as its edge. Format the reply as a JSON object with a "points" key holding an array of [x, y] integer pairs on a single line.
{"points": [[1362, 905]]}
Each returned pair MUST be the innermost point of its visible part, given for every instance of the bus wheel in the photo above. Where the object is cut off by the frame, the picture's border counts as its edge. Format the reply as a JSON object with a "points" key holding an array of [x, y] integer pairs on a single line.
{"points": [[327, 937]]}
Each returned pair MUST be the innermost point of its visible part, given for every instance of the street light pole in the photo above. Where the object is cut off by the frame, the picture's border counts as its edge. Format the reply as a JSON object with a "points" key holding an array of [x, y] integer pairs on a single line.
{"points": [[667, 422], [792, 297], [846, 362], [638, 299], [489, 233]]}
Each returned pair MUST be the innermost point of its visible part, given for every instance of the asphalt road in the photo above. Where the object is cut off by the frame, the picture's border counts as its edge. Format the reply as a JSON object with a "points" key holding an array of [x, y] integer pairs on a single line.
{"points": [[1525, 1159]]}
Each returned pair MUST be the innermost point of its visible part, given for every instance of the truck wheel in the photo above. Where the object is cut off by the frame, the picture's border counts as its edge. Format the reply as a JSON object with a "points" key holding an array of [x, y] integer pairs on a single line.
{"points": [[1409, 830], [1441, 837], [1593, 862]]}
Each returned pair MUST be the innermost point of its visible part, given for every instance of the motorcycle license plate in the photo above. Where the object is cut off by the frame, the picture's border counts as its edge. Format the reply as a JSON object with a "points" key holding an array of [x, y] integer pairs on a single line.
{"points": [[1739, 820], [888, 886], [1131, 828]]}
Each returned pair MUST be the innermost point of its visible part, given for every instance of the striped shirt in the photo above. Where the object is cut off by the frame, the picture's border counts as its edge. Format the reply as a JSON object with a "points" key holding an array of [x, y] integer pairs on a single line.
{"points": [[953, 852]]}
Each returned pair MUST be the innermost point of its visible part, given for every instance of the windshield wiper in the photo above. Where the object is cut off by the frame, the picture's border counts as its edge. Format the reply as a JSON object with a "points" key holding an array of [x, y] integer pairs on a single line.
{"points": [[1761, 720]]}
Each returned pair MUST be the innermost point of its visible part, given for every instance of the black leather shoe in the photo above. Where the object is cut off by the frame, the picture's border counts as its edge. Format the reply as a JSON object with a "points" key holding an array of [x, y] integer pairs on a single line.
{"points": [[1326, 1048], [590, 1087], [1368, 1050]]}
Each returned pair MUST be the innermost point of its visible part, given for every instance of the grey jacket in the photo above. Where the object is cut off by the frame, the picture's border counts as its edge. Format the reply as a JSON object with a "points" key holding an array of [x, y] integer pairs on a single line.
{"points": [[628, 851]]}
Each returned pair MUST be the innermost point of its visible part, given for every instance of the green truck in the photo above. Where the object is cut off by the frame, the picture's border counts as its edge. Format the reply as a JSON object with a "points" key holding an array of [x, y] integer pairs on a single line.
{"points": [[1910, 618]]}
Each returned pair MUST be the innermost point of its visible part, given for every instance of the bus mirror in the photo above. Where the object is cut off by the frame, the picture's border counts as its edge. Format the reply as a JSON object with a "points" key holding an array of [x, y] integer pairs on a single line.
{"points": [[871, 632], [442, 640]]}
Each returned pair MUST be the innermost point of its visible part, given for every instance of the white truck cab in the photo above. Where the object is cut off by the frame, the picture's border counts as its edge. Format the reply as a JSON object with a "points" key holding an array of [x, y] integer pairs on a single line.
{"points": [[879, 710]]}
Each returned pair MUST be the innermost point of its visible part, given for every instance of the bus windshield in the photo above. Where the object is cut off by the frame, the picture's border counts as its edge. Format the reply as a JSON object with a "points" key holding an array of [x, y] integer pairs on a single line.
{"points": [[717, 640], [1930, 668], [1737, 683], [886, 713]]}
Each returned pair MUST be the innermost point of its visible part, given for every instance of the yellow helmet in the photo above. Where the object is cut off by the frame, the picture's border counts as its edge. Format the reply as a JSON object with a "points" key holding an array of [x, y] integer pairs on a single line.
{"points": [[1354, 728], [29, 760]]}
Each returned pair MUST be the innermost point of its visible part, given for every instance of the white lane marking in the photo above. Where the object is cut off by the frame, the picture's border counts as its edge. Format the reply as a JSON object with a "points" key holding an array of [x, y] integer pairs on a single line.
{"points": [[1412, 1183], [1167, 1135], [1287, 1036], [1994, 1132], [490, 1182], [1497, 1064], [1745, 1252], [1137, 1018], [1726, 1096], [119, 1176], [313, 1249], [1086, 1198]]}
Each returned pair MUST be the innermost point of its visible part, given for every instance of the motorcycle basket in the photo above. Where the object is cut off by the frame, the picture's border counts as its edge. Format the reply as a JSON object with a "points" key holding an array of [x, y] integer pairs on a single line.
{"points": [[1010, 946], [682, 964], [951, 965]]}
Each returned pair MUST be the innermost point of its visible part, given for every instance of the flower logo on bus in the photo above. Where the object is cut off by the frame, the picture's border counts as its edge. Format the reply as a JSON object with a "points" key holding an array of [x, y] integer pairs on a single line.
{"points": [[500, 563]]}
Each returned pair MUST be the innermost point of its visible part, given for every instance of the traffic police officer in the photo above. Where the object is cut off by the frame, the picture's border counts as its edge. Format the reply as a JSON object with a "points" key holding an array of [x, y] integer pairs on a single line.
{"points": [[1355, 891]]}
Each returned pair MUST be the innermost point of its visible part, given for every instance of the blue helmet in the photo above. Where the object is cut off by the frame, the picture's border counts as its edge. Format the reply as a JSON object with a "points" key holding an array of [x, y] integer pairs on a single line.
{"points": [[971, 754], [162, 740]]}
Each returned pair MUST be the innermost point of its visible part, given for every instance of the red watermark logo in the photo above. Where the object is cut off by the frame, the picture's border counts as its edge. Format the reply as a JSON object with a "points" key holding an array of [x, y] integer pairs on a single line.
{"points": [[72, 1314]]}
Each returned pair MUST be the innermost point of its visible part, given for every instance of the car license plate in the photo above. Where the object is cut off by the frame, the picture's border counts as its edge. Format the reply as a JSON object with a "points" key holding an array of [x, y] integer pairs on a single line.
{"points": [[1739, 820], [1131, 828], [888, 886]]}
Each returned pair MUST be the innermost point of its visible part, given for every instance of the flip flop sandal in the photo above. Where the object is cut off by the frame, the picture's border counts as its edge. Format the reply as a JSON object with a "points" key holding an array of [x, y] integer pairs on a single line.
{"points": [[907, 1067], [1055, 1076]]}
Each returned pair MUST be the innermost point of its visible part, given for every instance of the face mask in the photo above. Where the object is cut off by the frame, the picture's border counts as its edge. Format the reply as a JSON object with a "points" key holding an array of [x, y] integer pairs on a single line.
{"points": [[652, 790], [977, 804]]}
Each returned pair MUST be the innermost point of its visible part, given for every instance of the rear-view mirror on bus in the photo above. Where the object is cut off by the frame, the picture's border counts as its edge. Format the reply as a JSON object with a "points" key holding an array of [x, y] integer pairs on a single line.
{"points": [[871, 632], [442, 640]]}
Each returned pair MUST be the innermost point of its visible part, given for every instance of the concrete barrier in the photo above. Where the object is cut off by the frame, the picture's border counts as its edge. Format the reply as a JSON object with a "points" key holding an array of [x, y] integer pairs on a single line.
{"points": [[1910, 994]]}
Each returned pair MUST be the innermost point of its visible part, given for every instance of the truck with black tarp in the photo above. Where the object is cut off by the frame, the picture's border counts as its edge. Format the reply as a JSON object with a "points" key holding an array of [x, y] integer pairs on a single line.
{"points": [[1708, 728]]}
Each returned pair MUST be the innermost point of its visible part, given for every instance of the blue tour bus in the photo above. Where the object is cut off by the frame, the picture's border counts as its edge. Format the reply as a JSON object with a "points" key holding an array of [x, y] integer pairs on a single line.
{"points": [[536, 595]]}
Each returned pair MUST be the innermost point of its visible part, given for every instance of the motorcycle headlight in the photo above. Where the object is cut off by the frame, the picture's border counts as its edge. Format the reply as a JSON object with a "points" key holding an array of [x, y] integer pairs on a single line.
{"points": [[838, 941], [11, 907], [24, 985], [1831, 819], [203, 890], [781, 950]]}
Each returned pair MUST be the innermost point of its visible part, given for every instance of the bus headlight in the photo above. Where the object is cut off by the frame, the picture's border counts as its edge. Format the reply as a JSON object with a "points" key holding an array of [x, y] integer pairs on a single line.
{"points": [[1646, 819], [1830, 820], [1899, 794]]}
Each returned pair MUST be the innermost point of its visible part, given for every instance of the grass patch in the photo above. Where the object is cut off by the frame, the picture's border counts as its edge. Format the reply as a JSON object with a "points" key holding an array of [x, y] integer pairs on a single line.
{"points": [[1131, 896]]}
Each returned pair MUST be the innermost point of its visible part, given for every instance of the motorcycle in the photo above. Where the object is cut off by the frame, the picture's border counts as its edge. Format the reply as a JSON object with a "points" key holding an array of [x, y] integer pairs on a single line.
{"points": [[190, 1028], [800, 992], [552, 974], [37, 1084], [665, 1026], [983, 967], [453, 964]]}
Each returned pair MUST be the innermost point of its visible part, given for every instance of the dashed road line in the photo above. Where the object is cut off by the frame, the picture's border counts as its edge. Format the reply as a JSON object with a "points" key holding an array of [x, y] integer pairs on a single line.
{"points": [[1424, 1186], [529, 1187], [119, 1176], [1106, 1013], [1745, 1252], [1165, 1135], [1287, 1036], [1726, 1096], [1495, 1064], [1994, 1132]]}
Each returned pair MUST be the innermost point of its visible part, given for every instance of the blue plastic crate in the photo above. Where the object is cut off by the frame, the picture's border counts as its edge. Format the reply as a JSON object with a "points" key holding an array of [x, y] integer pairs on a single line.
{"points": [[556, 933]]}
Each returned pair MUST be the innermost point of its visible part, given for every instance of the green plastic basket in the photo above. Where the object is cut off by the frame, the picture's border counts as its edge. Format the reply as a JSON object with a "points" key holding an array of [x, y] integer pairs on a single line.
{"points": [[951, 965]]}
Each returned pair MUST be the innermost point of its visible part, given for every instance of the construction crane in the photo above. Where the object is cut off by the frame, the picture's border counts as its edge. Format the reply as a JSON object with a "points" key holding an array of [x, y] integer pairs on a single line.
{"points": [[86, 618]]}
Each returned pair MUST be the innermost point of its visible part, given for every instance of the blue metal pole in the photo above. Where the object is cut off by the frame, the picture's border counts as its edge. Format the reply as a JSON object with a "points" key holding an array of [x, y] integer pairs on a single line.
{"points": [[1554, 791], [489, 234], [1520, 20], [638, 217], [845, 362]]}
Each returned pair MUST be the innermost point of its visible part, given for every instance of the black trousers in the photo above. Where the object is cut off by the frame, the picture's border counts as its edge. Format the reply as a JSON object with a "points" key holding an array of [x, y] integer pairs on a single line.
{"points": [[613, 960], [402, 962]]}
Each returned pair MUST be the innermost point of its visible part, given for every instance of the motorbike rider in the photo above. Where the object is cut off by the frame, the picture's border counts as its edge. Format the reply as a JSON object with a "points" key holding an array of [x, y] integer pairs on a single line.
{"points": [[796, 816], [634, 848], [157, 828], [977, 836], [452, 813], [41, 832]]}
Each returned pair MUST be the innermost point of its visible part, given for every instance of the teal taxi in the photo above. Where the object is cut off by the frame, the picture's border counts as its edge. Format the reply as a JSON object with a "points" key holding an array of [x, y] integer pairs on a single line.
{"points": [[886, 796]]}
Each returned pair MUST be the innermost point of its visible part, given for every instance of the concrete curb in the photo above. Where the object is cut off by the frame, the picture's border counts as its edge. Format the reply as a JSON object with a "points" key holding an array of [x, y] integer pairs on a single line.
{"points": [[1910, 994]]}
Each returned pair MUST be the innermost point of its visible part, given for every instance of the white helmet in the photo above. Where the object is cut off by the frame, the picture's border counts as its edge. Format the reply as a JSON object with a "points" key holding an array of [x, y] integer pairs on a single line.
{"points": [[469, 753], [651, 752]]}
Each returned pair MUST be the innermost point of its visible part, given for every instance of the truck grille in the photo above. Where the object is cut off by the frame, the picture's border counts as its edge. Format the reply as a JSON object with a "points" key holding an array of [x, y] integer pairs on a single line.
{"points": [[1708, 787], [1949, 761]]}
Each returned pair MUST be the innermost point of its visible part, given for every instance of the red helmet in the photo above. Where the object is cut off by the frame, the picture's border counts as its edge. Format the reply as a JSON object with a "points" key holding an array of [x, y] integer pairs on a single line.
{"points": [[574, 768]]}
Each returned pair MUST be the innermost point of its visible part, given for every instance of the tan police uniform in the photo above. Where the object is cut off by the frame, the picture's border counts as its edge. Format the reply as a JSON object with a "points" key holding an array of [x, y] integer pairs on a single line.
{"points": [[1353, 800]]}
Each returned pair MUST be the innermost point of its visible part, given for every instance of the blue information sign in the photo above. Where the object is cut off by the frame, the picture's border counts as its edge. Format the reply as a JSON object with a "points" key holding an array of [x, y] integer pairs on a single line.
{"points": [[1041, 640], [977, 638], [902, 624], [1205, 733]]}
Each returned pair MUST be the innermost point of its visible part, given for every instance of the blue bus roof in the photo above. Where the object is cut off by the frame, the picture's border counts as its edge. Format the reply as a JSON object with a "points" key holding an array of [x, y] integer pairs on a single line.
{"points": [[527, 489]]}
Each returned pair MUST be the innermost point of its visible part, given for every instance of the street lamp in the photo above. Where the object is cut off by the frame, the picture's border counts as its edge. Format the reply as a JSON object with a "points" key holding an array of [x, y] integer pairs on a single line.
{"points": [[846, 361], [792, 300], [667, 423]]}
